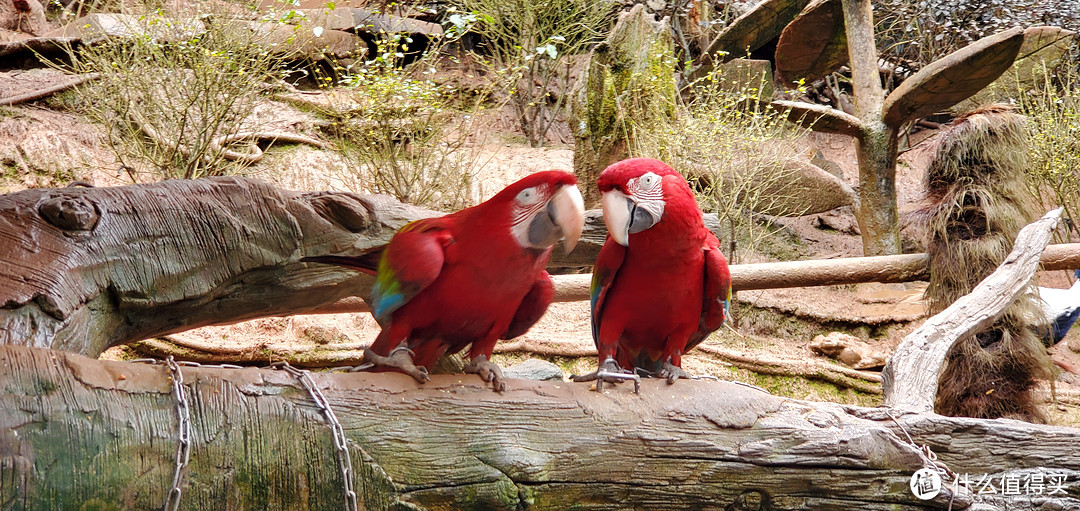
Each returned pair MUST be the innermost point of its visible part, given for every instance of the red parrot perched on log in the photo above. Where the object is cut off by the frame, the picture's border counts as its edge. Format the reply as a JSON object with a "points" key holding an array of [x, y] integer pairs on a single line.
{"points": [[660, 285], [470, 277]]}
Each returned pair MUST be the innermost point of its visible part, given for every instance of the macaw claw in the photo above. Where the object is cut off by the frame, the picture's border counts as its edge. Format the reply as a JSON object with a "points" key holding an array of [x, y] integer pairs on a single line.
{"points": [[673, 372], [609, 372], [399, 358], [487, 371]]}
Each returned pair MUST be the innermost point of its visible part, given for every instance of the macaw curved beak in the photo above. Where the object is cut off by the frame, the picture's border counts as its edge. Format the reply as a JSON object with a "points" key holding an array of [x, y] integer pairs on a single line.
{"points": [[567, 208], [563, 217], [624, 216]]}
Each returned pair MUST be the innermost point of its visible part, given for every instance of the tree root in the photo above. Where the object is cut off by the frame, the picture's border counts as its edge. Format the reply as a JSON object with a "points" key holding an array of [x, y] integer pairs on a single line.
{"points": [[861, 381], [205, 353]]}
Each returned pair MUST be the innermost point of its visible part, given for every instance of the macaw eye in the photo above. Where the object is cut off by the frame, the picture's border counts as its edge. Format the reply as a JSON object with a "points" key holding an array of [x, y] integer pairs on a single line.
{"points": [[648, 181], [528, 196]]}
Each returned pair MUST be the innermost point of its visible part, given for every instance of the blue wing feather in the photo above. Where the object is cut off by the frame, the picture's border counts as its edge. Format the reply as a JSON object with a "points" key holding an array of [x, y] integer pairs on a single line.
{"points": [[410, 263]]}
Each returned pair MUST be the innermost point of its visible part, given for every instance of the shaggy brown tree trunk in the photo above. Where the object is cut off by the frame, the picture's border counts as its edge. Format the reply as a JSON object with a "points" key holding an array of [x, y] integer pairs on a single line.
{"points": [[76, 431], [910, 378]]}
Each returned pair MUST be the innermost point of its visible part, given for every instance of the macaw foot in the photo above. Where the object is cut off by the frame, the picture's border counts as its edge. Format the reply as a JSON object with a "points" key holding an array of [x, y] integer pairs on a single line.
{"points": [[672, 372], [610, 372], [487, 371], [400, 358]]}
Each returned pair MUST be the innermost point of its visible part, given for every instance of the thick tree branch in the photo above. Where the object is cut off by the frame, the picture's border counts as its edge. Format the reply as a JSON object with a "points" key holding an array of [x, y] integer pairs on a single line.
{"points": [[84, 269]]}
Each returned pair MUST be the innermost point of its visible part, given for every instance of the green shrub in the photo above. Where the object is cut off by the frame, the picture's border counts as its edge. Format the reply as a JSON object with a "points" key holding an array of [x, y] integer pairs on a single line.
{"points": [[1052, 108], [533, 41], [406, 135], [174, 91]]}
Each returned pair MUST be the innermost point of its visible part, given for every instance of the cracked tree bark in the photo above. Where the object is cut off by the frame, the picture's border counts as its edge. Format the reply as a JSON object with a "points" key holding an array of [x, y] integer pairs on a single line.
{"points": [[80, 431], [83, 269]]}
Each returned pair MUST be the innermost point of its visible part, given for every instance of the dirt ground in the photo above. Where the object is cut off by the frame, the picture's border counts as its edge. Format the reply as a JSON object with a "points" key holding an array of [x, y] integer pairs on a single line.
{"points": [[44, 145]]}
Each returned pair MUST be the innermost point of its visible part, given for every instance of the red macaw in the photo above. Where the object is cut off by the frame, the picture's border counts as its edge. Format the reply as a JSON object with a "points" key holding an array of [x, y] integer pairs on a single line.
{"points": [[470, 277], [660, 284]]}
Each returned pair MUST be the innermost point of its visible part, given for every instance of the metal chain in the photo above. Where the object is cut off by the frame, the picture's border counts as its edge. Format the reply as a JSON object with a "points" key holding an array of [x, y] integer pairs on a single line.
{"points": [[183, 450], [184, 363], [929, 457], [340, 440]]}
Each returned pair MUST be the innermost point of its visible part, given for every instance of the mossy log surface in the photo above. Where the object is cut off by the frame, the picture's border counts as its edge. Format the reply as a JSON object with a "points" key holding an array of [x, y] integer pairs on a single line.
{"points": [[77, 431]]}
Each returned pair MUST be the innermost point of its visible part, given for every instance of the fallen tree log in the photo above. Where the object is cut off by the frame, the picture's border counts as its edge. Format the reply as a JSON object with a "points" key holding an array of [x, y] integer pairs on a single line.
{"points": [[79, 431], [84, 269]]}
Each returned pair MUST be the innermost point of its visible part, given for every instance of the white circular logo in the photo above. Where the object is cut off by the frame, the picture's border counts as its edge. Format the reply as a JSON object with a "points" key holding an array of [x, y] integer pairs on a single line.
{"points": [[925, 483]]}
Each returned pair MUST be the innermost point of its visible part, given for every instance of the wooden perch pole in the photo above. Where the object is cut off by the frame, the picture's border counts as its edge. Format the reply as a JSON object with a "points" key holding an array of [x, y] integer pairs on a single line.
{"points": [[823, 272], [910, 378]]}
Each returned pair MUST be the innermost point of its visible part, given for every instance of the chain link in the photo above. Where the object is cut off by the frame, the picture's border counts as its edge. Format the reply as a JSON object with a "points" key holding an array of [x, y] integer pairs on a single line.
{"points": [[183, 449], [930, 458], [184, 363], [340, 440]]}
